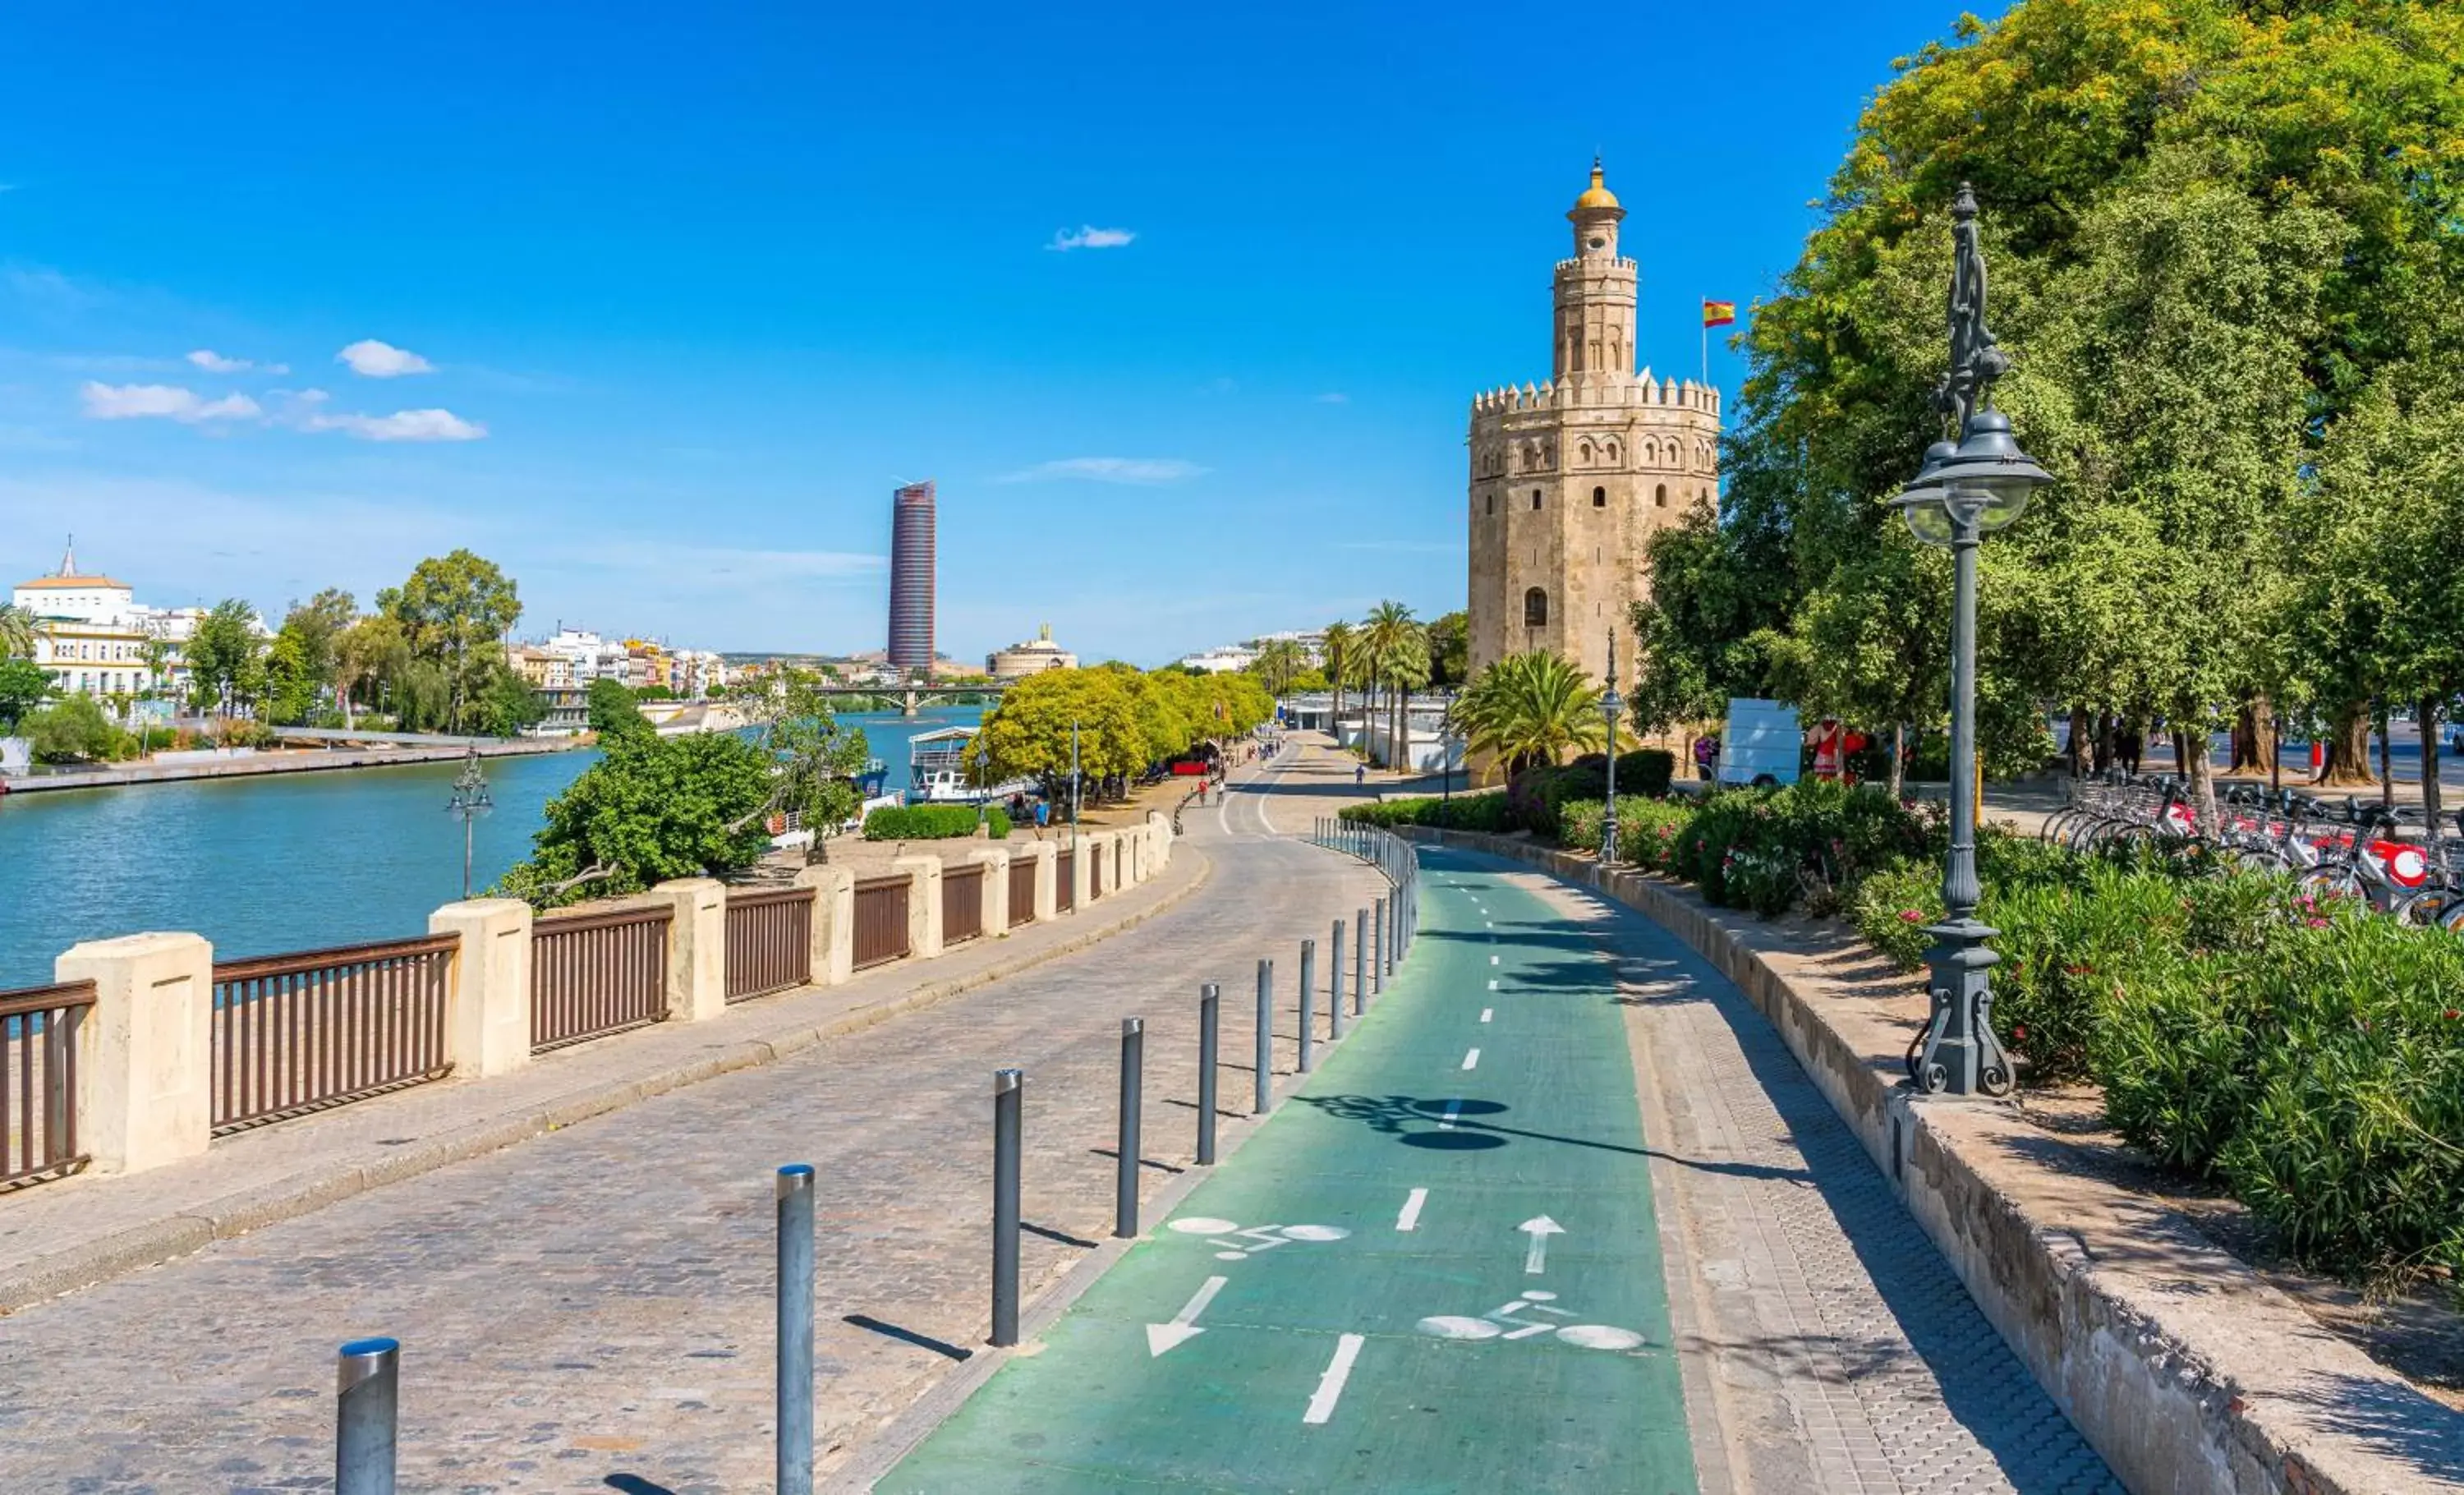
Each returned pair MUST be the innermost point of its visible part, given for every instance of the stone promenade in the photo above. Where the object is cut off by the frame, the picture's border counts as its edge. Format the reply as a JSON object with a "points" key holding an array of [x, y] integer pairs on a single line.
{"points": [[591, 1310]]}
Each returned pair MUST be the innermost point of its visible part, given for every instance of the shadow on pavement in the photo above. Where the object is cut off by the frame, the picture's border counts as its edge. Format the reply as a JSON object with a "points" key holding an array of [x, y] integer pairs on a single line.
{"points": [[939, 1347]]}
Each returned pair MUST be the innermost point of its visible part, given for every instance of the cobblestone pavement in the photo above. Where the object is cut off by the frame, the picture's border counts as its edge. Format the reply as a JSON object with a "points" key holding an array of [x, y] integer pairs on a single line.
{"points": [[1831, 1348], [592, 1310]]}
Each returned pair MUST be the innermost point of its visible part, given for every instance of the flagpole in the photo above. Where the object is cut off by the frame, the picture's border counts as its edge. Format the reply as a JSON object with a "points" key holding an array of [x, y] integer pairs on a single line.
{"points": [[1706, 341]]}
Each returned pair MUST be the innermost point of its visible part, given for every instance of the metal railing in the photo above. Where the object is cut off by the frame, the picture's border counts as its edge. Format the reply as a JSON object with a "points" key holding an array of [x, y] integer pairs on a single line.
{"points": [[1065, 881], [769, 941], [300, 1032], [962, 903], [38, 1045], [880, 921], [596, 974], [1022, 891]]}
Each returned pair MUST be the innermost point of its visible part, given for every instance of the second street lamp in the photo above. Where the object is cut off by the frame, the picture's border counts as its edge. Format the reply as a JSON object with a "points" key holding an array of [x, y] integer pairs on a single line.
{"points": [[1960, 496], [468, 803], [1611, 706]]}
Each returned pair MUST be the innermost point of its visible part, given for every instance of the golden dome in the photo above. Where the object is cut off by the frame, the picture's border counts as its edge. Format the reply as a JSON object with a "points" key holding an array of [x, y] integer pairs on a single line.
{"points": [[1597, 195]]}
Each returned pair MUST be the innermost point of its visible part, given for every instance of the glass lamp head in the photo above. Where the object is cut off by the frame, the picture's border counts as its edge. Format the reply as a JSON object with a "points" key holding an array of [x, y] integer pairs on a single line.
{"points": [[1991, 470], [1922, 503]]}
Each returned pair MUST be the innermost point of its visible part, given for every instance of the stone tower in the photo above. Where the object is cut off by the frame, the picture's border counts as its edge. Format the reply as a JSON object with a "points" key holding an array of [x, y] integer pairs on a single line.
{"points": [[1569, 480]]}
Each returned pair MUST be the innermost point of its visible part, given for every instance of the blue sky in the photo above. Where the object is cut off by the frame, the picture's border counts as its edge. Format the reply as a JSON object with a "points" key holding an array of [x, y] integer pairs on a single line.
{"points": [[655, 305]]}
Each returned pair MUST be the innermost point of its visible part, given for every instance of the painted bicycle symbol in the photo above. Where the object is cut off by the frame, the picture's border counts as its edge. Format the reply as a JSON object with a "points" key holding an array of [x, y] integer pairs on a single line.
{"points": [[1506, 1321], [1255, 1239]]}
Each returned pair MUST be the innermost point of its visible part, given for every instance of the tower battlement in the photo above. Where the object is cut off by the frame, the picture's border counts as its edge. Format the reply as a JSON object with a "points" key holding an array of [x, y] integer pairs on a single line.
{"points": [[1584, 394]]}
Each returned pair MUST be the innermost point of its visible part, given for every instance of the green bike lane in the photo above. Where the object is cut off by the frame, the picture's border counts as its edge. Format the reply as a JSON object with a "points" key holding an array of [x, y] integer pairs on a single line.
{"points": [[1436, 1268]]}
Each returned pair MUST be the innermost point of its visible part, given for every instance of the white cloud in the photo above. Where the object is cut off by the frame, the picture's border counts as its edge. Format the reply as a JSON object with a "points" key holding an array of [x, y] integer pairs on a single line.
{"points": [[170, 402], [399, 426], [1141, 470], [373, 360], [1088, 236], [213, 363]]}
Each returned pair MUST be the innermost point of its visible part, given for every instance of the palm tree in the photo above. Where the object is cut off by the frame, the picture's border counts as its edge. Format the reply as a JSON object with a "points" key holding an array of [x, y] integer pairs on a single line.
{"points": [[1390, 641], [1342, 651], [1529, 709], [1277, 663], [17, 633]]}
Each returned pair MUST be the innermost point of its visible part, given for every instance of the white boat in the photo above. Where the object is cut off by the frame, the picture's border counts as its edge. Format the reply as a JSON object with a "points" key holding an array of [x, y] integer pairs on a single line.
{"points": [[936, 770]]}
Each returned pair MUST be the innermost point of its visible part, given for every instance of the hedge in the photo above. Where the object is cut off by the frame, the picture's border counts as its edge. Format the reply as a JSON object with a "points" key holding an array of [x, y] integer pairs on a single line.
{"points": [[931, 823]]}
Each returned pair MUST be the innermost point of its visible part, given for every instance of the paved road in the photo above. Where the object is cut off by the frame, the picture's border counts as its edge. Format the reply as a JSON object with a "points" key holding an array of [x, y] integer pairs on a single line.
{"points": [[1446, 1265], [591, 1311]]}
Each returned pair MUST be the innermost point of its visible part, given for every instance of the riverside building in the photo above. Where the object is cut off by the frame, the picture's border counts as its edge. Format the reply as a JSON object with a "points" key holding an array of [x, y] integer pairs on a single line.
{"points": [[93, 637], [1570, 480], [911, 578]]}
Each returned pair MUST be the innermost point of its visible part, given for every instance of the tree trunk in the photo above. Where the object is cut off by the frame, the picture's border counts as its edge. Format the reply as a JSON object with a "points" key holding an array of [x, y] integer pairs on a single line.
{"points": [[2348, 748], [2181, 751], [1899, 758], [2108, 733], [2432, 803], [2387, 758], [2077, 748], [2201, 770], [2254, 735], [1404, 730]]}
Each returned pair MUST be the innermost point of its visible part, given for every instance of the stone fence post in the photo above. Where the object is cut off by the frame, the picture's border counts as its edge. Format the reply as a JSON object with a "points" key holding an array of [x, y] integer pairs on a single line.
{"points": [[144, 1063], [1080, 867], [995, 885], [1159, 836], [696, 948], [923, 904], [488, 1017], [833, 929], [1045, 854]]}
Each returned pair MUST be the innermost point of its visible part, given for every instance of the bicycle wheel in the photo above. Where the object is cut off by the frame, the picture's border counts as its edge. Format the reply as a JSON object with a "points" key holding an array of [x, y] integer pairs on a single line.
{"points": [[2332, 880], [2426, 908]]}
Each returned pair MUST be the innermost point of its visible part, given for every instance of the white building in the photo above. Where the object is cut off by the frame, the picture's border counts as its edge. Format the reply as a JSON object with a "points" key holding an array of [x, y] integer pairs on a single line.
{"points": [[591, 656], [1222, 659], [94, 636]]}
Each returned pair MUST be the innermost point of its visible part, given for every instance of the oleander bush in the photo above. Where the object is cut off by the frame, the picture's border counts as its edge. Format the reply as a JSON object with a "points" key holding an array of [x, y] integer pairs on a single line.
{"points": [[933, 823]]}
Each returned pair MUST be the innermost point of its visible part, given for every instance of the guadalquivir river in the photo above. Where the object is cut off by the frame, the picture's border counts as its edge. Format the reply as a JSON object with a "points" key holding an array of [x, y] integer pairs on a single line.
{"points": [[286, 861]]}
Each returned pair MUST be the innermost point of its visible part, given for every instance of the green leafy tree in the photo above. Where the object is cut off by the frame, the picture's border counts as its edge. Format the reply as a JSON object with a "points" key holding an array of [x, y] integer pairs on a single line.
{"points": [[510, 705], [1395, 654], [158, 654], [611, 710], [74, 730], [368, 656], [24, 686], [651, 810], [814, 758], [454, 611], [1342, 655], [1278, 661], [1450, 650], [226, 657]]}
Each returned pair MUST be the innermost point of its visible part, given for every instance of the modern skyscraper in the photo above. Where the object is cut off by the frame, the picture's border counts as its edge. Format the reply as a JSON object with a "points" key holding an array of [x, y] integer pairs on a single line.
{"points": [[911, 578]]}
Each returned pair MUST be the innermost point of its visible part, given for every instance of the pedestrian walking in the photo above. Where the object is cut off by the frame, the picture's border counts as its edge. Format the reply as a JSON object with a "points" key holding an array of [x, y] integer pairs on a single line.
{"points": [[1359, 775]]}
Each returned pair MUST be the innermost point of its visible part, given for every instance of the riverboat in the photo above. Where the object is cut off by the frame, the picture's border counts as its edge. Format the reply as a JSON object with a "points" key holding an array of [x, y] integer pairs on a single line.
{"points": [[936, 770]]}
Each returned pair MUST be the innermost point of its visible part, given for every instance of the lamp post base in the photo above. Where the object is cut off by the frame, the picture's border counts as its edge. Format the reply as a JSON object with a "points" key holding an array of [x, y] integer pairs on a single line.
{"points": [[1957, 1053]]}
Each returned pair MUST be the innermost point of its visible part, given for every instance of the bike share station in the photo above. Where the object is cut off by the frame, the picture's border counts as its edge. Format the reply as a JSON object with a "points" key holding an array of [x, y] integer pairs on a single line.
{"points": [[1436, 1265]]}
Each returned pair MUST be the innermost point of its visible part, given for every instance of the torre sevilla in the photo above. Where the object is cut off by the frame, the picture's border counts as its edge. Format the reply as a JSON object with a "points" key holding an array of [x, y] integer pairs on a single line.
{"points": [[1570, 479]]}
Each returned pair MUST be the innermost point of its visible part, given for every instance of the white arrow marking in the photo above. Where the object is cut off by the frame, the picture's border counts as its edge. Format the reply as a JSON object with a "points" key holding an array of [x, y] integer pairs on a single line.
{"points": [[1471, 1061], [1540, 1227], [1329, 1386], [1183, 1326], [1484, 1012], [1410, 1218]]}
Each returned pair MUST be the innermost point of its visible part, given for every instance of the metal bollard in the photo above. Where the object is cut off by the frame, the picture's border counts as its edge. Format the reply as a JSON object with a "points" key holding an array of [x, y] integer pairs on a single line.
{"points": [[367, 1404], [1359, 962], [1210, 1010], [1007, 1086], [1377, 964], [1308, 1001], [795, 1366], [1334, 987], [1265, 1097], [1125, 1191]]}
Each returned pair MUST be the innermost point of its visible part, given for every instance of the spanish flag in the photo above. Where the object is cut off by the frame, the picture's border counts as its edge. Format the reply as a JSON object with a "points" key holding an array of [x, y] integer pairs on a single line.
{"points": [[1719, 314]]}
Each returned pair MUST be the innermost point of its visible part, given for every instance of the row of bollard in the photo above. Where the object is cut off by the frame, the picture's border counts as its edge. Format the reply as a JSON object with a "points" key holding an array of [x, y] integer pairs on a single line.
{"points": [[368, 1387]]}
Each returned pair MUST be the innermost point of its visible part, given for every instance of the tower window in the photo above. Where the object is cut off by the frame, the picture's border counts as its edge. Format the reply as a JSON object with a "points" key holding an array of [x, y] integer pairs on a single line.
{"points": [[1493, 503], [1535, 608], [1535, 499], [1599, 497], [1660, 496]]}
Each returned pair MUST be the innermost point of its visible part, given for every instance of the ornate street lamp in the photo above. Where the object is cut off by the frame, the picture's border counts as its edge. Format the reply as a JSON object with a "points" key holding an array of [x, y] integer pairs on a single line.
{"points": [[469, 801], [1960, 496], [1611, 707]]}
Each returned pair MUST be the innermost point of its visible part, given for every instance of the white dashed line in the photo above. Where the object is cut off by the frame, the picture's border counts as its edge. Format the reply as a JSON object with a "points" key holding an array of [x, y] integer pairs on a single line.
{"points": [[1484, 1012], [1410, 1218], [1329, 1386], [1493, 960], [1471, 1061]]}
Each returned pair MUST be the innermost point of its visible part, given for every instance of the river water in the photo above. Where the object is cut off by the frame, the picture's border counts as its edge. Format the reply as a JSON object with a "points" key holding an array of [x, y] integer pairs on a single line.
{"points": [[287, 860]]}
